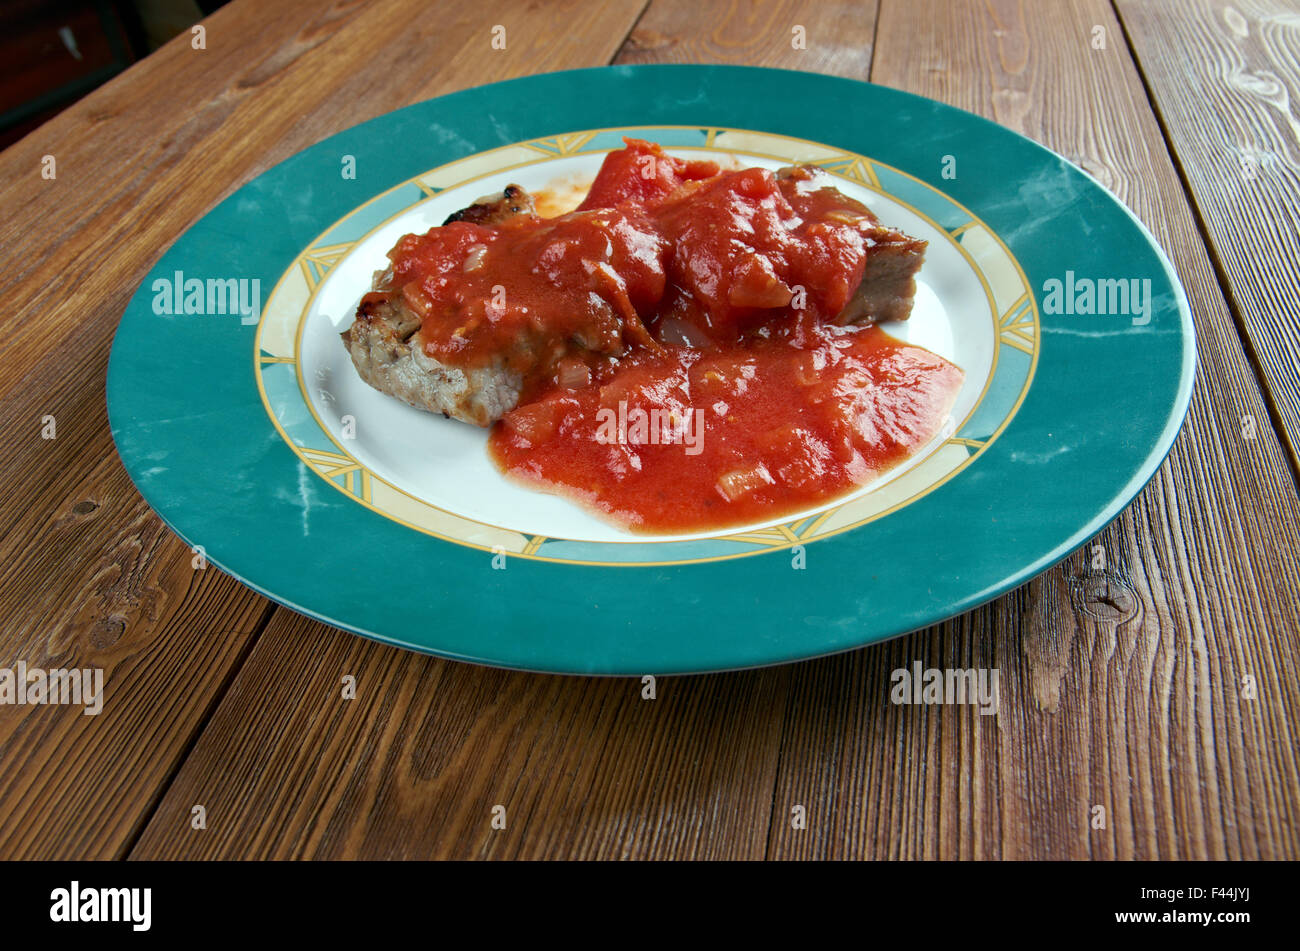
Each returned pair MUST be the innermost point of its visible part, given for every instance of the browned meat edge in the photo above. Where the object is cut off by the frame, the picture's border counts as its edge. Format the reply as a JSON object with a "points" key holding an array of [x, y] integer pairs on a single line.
{"points": [[385, 345], [388, 352]]}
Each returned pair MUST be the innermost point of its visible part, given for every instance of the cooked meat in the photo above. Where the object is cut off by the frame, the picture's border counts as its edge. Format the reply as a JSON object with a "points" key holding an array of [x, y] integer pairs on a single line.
{"points": [[387, 350], [494, 209], [583, 308], [888, 283], [482, 313], [888, 280]]}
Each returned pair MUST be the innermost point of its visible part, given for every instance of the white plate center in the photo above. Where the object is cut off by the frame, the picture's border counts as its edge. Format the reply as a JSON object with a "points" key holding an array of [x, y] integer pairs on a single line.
{"points": [[446, 464]]}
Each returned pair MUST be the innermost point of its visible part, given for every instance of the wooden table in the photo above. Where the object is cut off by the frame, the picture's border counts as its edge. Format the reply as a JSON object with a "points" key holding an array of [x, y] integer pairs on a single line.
{"points": [[1130, 694]]}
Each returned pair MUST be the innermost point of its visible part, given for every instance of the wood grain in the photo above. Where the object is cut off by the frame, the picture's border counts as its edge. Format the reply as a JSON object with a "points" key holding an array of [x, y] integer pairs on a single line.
{"points": [[90, 576], [834, 36], [585, 767], [1225, 78], [270, 82], [413, 768], [1119, 687]]}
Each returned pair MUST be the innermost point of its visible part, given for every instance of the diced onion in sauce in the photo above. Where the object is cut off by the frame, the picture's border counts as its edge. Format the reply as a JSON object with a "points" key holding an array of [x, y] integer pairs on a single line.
{"points": [[755, 284], [474, 259], [738, 483], [534, 422], [417, 298], [573, 374]]}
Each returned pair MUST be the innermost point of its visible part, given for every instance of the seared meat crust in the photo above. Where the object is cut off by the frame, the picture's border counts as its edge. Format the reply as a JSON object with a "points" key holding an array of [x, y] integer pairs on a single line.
{"points": [[496, 209], [388, 352], [386, 348], [888, 283]]}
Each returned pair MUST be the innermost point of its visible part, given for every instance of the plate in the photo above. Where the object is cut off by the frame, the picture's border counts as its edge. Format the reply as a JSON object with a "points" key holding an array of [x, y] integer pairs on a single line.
{"points": [[240, 418]]}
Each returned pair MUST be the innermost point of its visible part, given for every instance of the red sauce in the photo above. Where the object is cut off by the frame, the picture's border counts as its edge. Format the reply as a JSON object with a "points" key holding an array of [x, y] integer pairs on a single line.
{"points": [[705, 297], [530, 291], [644, 175], [685, 440]]}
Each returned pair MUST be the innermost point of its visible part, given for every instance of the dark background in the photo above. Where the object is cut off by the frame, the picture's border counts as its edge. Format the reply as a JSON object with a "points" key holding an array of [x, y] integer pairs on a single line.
{"points": [[53, 52]]}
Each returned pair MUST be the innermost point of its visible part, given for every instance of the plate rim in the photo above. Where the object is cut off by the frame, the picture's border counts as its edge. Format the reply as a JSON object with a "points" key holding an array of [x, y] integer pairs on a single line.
{"points": [[830, 508], [1142, 472]]}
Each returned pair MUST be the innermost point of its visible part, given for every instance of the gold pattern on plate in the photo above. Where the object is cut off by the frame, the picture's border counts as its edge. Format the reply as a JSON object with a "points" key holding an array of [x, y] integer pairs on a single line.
{"points": [[855, 169], [1018, 327], [556, 145], [990, 259]]}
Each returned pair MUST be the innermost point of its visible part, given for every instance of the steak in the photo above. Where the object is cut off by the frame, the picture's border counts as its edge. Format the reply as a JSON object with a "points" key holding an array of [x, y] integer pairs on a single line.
{"points": [[582, 285], [491, 210], [888, 283], [388, 351]]}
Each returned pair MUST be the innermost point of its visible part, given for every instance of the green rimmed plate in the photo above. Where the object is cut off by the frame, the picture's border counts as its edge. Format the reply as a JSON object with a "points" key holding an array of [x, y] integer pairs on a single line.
{"points": [[237, 413]]}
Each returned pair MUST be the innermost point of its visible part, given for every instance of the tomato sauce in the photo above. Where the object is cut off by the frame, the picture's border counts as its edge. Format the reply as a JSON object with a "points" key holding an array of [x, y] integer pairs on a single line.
{"points": [[685, 440], [677, 339], [530, 291]]}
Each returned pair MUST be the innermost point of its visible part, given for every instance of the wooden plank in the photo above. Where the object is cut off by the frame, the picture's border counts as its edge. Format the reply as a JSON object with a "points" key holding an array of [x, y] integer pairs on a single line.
{"points": [[90, 577], [1226, 80], [584, 767], [1120, 688], [834, 36], [107, 586], [416, 764], [131, 176]]}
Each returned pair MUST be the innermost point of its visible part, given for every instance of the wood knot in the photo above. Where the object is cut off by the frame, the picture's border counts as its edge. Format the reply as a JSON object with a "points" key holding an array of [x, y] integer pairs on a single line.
{"points": [[1104, 595], [106, 632], [84, 507], [649, 40]]}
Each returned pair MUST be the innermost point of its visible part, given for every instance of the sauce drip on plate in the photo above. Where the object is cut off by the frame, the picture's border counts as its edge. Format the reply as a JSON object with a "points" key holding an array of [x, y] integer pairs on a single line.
{"points": [[689, 341], [688, 440]]}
